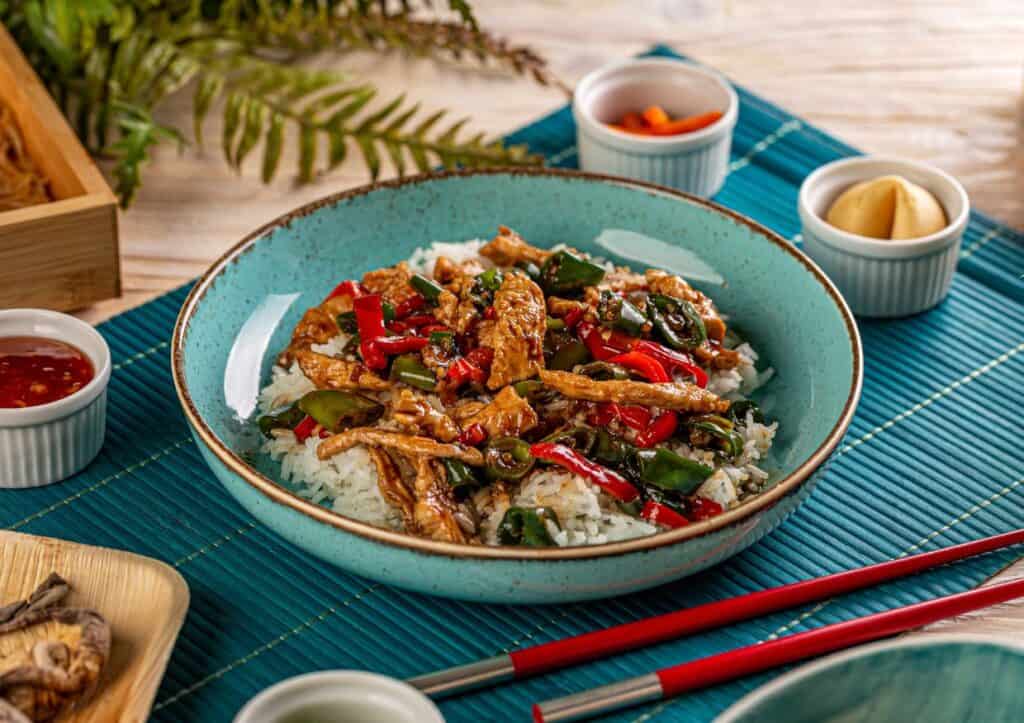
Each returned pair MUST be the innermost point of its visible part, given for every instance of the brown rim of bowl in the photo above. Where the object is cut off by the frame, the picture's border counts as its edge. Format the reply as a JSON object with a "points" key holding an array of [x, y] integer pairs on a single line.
{"points": [[280, 495]]}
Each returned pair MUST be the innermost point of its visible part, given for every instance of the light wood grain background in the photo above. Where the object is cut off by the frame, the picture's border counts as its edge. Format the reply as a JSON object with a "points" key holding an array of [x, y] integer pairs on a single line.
{"points": [[937, 80]]}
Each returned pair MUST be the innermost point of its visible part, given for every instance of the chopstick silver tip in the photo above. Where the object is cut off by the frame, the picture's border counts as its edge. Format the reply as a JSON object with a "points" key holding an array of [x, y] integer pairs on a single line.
{"points": [[462, 678], [605, 699]]}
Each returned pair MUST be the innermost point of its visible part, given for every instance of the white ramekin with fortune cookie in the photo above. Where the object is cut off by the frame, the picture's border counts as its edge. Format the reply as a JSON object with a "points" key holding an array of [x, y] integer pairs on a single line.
{"points": [[884, 277]]}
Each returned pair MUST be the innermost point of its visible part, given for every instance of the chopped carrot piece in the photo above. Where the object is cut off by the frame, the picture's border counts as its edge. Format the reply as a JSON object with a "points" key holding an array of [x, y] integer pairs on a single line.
{"points": [[633, 122], [655, 116], [686, 125]]}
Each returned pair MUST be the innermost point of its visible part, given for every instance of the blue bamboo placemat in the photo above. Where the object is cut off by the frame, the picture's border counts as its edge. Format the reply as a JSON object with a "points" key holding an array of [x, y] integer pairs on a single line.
{"points": [[932, 459]]}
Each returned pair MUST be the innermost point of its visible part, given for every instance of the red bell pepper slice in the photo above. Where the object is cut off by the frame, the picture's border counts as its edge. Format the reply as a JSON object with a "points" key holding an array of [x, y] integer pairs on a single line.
{"points": [[462, 370], [573, 318], [391, 345], [647, 366], [611, 482], [490, 313], [662, 428], [701, 508], [409, 305], [473, 435], [370, 322], [632, 415], [426, 330], [481, 357], [658, 514], [347, 288], [418, 320], [596, 344], [304, 429], [672, 359]]}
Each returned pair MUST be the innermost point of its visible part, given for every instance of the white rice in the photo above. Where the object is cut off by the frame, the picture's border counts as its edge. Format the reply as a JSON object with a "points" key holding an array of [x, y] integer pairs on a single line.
{"points": [[587, 516]]}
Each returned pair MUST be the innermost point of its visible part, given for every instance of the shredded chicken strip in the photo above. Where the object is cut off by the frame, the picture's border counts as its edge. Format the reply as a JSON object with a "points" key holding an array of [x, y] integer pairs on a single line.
{"points": [[329, 373], [508, 249], [518, 335], [405, 443], [507, 415], [393, 488], [681, 396], [315, 327], [435, 508], [413, 412]]}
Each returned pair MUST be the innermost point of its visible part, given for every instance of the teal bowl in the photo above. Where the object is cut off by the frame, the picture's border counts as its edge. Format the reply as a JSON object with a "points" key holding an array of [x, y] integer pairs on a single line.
{"points": [[945, 678], [241, 312]]}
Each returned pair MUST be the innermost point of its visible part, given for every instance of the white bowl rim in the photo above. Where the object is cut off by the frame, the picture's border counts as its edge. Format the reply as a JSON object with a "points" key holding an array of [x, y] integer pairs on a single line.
{"points": [[414, 701], [921, 640], [43, 413], [884, 248], [276, 493], [654, 144]]}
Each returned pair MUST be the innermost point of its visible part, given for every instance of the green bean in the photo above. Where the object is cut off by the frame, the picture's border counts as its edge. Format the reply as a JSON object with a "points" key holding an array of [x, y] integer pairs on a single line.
{"points": [[333, 409], [568, 356], [564, 272], [666, 469], [617, 312], [409, 369], [286, 419], [461, 477], [429, 289], [527, 527], [580, 438]]}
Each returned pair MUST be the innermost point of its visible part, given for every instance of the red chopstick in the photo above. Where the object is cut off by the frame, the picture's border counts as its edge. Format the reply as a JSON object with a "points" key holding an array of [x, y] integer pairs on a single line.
{"points": [[620, 638], [715, 669]]}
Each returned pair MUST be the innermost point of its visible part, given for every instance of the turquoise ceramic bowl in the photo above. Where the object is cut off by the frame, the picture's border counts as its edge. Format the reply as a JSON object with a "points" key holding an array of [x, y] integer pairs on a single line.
{"points": [[933, 678], [241, 312]]}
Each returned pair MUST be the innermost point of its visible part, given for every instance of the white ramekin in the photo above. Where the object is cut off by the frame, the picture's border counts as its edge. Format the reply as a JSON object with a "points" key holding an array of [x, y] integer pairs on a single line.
{"points": [[883, 278], [44, 444], [694, 162], [348, 694]]}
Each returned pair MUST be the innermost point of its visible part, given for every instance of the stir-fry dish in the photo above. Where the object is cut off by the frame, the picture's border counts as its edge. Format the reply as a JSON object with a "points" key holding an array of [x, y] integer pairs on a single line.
{"points": [[498, 393]]}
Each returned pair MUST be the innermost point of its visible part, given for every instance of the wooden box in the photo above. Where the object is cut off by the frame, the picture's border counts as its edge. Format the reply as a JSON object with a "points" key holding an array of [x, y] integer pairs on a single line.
{"points": [[61, 255]]}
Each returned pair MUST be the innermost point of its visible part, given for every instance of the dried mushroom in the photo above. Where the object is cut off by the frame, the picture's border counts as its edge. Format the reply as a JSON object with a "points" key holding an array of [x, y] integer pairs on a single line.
{"points": [[44, 675]]}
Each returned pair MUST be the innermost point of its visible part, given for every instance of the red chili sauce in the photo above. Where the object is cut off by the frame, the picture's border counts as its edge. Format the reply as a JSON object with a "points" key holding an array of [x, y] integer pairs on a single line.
{"points": [[37, 371]]}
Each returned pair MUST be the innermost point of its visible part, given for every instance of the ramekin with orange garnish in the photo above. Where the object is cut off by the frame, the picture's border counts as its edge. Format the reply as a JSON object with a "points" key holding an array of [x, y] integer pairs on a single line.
{"points": [[657, 120]]}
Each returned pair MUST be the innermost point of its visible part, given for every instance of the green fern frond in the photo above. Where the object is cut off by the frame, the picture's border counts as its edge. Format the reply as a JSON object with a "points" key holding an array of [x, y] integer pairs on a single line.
{"points": [[111, 63]]}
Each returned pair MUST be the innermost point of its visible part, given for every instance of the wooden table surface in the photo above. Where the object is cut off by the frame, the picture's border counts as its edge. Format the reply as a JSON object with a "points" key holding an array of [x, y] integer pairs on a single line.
{"points": [[938, 80]]}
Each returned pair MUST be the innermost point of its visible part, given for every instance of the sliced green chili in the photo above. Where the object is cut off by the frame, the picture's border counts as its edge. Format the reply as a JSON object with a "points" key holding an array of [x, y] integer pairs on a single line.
{"points": [[534, 391], [507, 458], [677, 321], [461, 477], [553, 323], [564, 272], [445, 340], [666, 469], [738, 412], [524, 526], [409, 369], [618, 313], [286, 419], [610, 450], [603, 371], [333, 409], [430, 290], [581, 438], [721, 429], [568, 356]]}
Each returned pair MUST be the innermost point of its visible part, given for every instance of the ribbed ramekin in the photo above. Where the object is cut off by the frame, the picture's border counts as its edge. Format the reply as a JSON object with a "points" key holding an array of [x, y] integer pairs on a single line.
{"points": [[882, 278], [693, 162], [47, 443]]}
